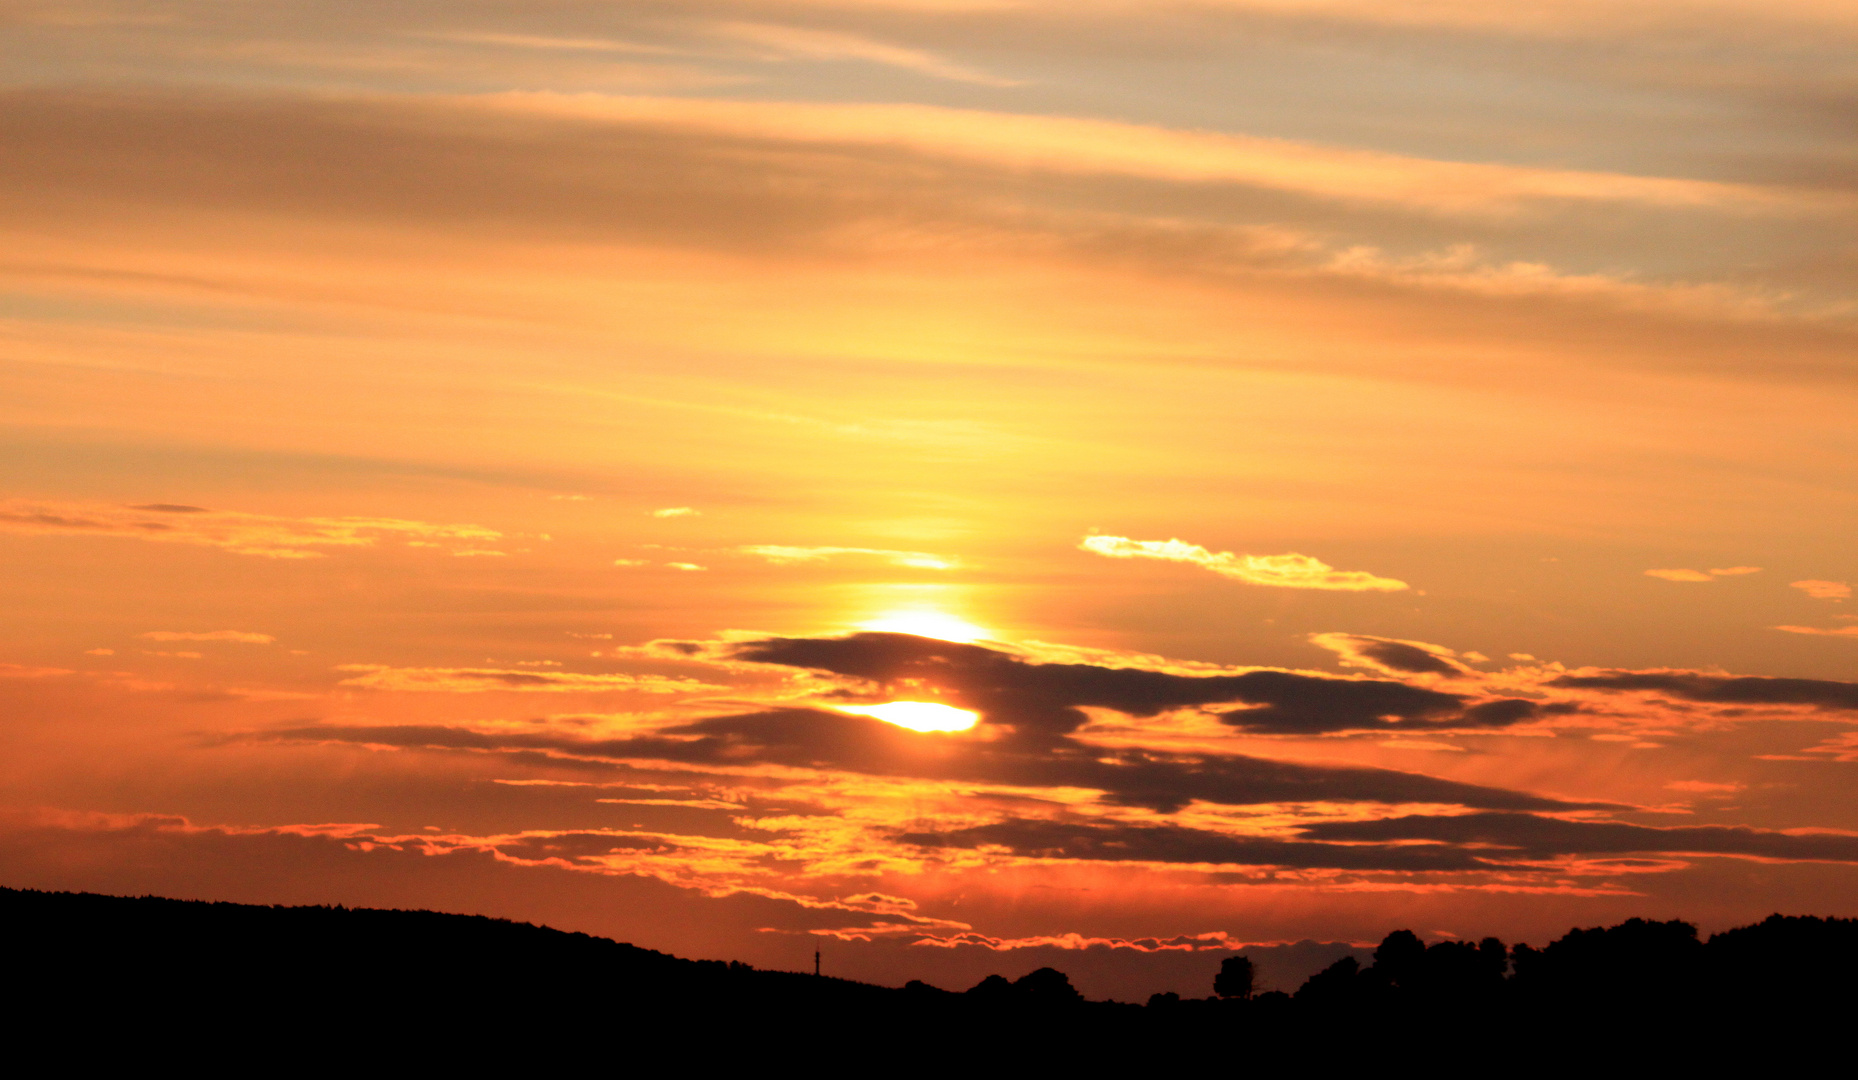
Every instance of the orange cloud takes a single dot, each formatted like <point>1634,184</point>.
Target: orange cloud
<point>239,533</point>
<point>1214,940</point>
<point>479,680</point>
<point>778,553</point>
<point>1291,571</point>
<point>240,636</point>
<point>1393,656</point>
<point>1824,590</point>
<point>1703,575</point>
<point>24,671</point>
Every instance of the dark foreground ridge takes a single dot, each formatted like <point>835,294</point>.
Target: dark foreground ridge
<point>153,973</point>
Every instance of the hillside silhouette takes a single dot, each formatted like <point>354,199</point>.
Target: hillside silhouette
<point>215,977</point>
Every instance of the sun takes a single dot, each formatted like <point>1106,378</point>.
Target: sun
<point>926,622</point>
<point>917,715</point>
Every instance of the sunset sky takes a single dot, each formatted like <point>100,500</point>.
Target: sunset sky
<point>1329,465</point>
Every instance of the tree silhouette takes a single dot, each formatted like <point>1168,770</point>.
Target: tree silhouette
<point>1337,984</point>
<point>1400,960</point>
<point>1047,986</point>
<point>1236,977</point>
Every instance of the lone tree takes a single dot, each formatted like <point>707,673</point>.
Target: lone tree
<point>1236,977</point>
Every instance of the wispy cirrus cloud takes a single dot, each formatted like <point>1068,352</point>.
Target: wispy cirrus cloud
<point>1560,19</point>
<point>1288,571</point>
<point>480,680</point>
<point>1075,145</point>
<point>800,43</point>
<point>527,184</point>
<point>263,535</point>
<point>28,671</point>
<point>735,40</point>
<point>556,44</point>
<point>780,553</point>
<point>239,636</point>
<point>1680,574</point>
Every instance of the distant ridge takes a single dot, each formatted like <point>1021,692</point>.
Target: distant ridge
<point>151,971</point>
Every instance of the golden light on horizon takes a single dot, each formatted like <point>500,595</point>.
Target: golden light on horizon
<point>917,715</point>
<point>928,623</point>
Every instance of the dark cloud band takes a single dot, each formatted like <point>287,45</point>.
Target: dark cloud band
<point>1723,690</point>
<point>1046,700</point>
<point>811,738</point>
<point>1532,836</point>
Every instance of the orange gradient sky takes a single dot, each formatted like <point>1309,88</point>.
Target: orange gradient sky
<point>1320,467</point>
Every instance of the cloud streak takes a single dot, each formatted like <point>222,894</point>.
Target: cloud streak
<point>1102,147</point>
<point>260,535</point>
<point>1823,590</point>
<point>1722,689</point>
<point>1393,656</point>
<point>792,42</point>
<point>1178,844</point>
<point>837,742</point>
<point>1703,575</point>
<point>240,636</point>
<point>1534,836</point>
<point>782,554</point>
<point>482,680</point>
<point>1290,571</point>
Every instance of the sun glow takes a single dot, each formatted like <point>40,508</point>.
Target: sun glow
<point>917,715</point>
<point>926,623</point>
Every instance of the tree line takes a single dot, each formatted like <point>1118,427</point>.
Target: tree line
<point>205,978</point>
